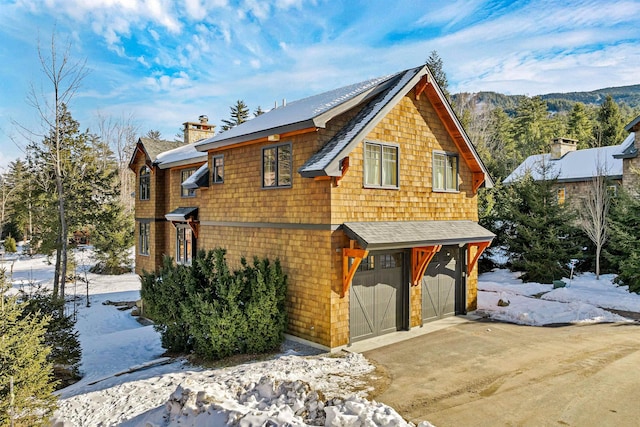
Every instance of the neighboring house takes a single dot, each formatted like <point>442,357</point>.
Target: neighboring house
<point>367,194</point>
<point>575,170</point>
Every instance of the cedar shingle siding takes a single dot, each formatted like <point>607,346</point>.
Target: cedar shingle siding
<point>301,225</point>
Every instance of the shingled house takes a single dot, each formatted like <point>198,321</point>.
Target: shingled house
<point>366,194</point>
<point>574,170</point>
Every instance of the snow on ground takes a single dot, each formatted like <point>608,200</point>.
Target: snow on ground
<point>291,389</point>
<point>584,299</point>
<point>127,381</point>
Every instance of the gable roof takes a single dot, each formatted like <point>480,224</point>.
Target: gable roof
<point>305,113</point>
<point>632,124</point>
<point>166,154</point>
<point>378,96</point>
<point>579,165</point>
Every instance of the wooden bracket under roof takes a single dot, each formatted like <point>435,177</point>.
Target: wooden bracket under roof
<point>481,246</point>
<point>349,271</point>
<point>421,86</point>
<point>420,259</point>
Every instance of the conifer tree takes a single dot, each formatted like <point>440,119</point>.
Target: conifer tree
<point>609,129</point>
<point>532,128</point>
<point>623,249</point>
<point>580,126</point>
<point>436,66</point>
<point>26,386</point>
<point>537,230</point>
<point>239,114</point>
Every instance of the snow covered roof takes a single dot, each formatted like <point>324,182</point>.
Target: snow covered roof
<point>313,111</point>
<point>181,156</point>
<point>326,161</point>
<point>198,179</point>
<point>579,165</point>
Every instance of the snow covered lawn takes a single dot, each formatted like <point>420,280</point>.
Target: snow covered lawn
<point>583,300</point>
<point>292,389</point>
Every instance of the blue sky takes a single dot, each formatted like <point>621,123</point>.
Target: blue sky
<point>164,62</point>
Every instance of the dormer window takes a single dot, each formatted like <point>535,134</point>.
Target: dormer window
<point>145,183</point>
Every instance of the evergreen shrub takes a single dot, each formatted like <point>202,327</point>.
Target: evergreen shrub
<point>10,245</point>
<point>213,312</point>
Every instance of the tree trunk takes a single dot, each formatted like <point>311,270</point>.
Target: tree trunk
<point>63,235</point>
<point>598,249</point>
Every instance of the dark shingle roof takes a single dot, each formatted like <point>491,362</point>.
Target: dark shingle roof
<point>385,235</point>
<point>155,147</point>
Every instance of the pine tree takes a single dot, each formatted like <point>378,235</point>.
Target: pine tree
<point>538,231</point>
<point>239,114</point>
<point>154,134</point>
<point>436,66</point>
<point>60,336</point>
<point>609,129</point>
<point>532,128</point>
<point>623,249</point>
<point>23,362</point>
<point>580,126</point>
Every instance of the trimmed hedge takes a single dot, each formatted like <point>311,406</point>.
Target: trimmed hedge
<point>212,312</point>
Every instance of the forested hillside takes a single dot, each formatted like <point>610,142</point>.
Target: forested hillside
<point>560,102</point>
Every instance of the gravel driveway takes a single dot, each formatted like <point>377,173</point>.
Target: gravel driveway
<point>483,373</point>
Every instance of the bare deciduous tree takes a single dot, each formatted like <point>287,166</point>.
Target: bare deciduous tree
<point>121,134</point>
<point>595,209</point>
<point>64,75</point>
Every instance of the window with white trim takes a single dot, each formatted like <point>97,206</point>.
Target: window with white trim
<point>445,171</point>
<point>276,166</point>
<point>380,165</point>
<point>144,231</point>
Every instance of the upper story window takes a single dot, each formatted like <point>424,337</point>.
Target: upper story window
<point>380,165</point>
<point>612,190</point>
<point>217,174</point>
<point>445,172</point>
<point>145,183</point>
<point>144,232</point>
<point>186,192</point>
<point>276,166</point>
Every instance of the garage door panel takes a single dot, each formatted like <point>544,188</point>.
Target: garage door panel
<point>375,306</point>
<point>361,313</point>
<point>386,308</point>
<point>439,284</point>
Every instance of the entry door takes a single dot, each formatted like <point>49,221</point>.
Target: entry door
<point>376,296</point>
<point>440,284</point>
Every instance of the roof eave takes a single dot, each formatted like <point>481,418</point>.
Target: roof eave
<point>196,161</point>
<point>488,181</point>
<point>265,133</point>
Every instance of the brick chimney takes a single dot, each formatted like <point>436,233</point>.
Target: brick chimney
<point>196,131</point>
<point>562,146</point>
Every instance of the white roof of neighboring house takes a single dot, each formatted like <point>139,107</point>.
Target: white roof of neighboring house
<point>181,156</point>
<point>579,165</point>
